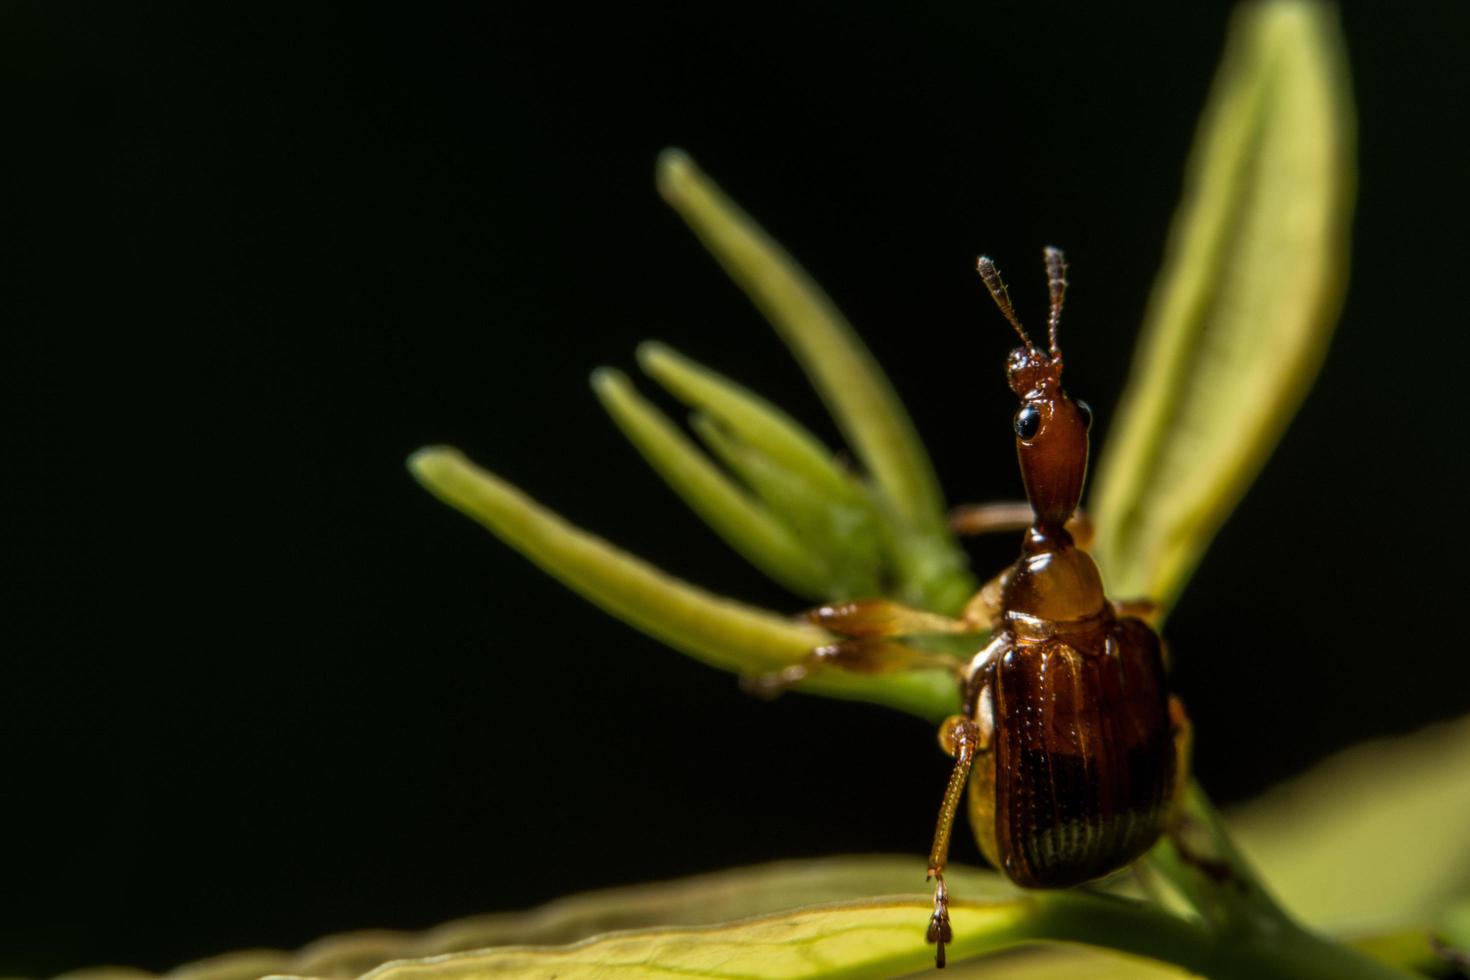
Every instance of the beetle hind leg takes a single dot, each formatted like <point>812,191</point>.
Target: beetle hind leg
<point>1182,730</point>
<point>1182,830</point>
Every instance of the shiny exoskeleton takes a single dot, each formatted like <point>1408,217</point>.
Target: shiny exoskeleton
<point>1069,741</point>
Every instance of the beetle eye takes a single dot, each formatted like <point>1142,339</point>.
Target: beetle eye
<point>1086,411</point>
<point>1028,422</point>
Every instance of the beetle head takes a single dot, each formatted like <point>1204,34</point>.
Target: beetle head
<point>1051,428</point>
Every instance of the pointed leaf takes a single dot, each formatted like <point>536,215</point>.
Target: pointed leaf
<point>845,536</point>
<point>716,630</point>
<point>1242,311</point>
<point>755,420</point>
<point>845,374</point>
<point>741,521</point>
<point>1376,837</point>
<point>852,385</point>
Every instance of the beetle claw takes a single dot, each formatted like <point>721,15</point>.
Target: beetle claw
<point>939,933</point>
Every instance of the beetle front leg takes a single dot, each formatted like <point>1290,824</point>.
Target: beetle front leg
<point>963,736</point>
<point>871,628</point>
<point>884,617</point>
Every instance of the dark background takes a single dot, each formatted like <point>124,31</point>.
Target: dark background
<point>258,686</point>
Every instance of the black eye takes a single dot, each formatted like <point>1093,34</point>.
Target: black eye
<point>1028,422</point>
<point>1086,411</point>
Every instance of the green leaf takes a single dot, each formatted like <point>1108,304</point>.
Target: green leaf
<point>844,373</point>
<point>716,630</point>
<point>846,535</point>
<point>849,380</point>
<point>870,939</point>
<point>1454,924</point>
<point>1374,838</point>
<point>1240,316</point>
<point>794,475</point>
<point>881,937</point>
<point>741,521</point>
<point>754,420</point>
<point>876,937</point>
<point>697,900</point>
<point>706,899</point>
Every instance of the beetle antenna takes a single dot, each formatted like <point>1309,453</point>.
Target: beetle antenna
<point>998,292</point>
<point>1056,285</point>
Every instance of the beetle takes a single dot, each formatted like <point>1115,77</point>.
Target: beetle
<point>1072,747</point>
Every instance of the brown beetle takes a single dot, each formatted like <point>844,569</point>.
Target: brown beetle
<point>1069,740</point>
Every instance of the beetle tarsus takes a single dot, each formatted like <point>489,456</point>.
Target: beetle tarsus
<point>940,933</point>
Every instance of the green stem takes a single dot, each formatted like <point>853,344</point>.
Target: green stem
<point>1200,860</point>
<point>1251,935</point>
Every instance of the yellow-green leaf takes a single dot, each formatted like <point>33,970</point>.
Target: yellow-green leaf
<point>705,899</point>
<point>930,568</point>
<point>871,939</point>
<point>854,387</point>
<point>719,631</point>
<point>877,937</point>
<point>755,420</point>
<point>1241,313</point>
<point>733,514</point>
<point>1376,837</point>
<point>845,534</point>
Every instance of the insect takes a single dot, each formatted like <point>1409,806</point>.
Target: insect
<point>1069,741</point>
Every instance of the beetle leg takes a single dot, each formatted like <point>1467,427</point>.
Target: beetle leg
<point>984,608</point>
<point>1144,609</point>
<point>870,626</point>
<point>884,617</point>
<point>963,736</point>
<point>862,655</point>
<point>1183,732</point>
<point>1183,832</point>
<point>968,520</point>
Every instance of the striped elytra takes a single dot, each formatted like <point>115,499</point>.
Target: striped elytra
<point>1083,755</point>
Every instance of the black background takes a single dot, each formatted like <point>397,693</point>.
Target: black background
<point>258,686</point>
